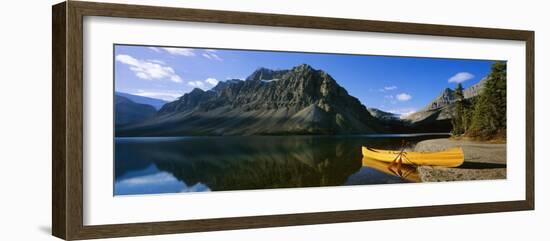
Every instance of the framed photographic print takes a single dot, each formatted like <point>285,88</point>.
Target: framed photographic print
<point>171,120</point>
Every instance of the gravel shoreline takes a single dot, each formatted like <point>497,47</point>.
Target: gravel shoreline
<point>482,161</point>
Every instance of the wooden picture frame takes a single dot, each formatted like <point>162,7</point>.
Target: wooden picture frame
<point>67,150</point>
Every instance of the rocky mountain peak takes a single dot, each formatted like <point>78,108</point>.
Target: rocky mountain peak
<point>475,90</point>
<point>312,81</point>
<point>187,101</point>
<point>196,91</point>
<point>303,68</point>
<point>306,70</point>
<point>445,98</point>
<point>224,84</point>
<point>298,100</point>
<point>301,85</point>
<point>439,111</point>
<point>266,74</point>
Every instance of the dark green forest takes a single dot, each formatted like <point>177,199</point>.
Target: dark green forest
<point>483,117</point>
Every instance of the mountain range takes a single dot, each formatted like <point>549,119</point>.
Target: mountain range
<point>300,100</point>
<point>156,103</point>
<point>128,111</point>
<point>437,115</point>
<point>382,115</point>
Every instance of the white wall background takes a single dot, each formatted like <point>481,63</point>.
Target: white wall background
<point>25,122</point>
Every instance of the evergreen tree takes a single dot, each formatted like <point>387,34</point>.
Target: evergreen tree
<point>468,113</point>
<point>459,111</point>
<point>489,115</point>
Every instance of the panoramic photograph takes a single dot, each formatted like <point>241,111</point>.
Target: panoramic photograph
<point>203,120</point>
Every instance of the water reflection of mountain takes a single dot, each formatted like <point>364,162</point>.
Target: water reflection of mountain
<point>238,163</point>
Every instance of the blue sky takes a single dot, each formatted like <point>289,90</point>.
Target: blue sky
<point>396,84</point>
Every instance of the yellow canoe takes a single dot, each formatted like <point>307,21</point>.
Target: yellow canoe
<point>452,157</point>
<point>406,172</point>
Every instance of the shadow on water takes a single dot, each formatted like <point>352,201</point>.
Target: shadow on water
<point>191,164</point>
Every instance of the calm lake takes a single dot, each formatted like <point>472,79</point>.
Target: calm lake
<point>151,165</point>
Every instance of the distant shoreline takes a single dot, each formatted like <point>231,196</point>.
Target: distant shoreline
<point>318,135</point>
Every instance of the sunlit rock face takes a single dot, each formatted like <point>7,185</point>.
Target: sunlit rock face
<point>301,100</point>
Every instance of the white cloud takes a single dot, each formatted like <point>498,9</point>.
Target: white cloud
<point>388,97</point>
<point>176,78</point>
<point>163,95</point>
<point>461,77</point>
<point>203,84</point>
<point>196,84</point>
<point>403,112</point>
<point>232,78</point>
<point>212,56</point>
<point>127,59</point>
<point>212,81</point>
<point>180,51</point>
<point>149,70</point>
<point>157,61</point>
<point>403,97</point>
<point>211,50</point>
<point>174,51</point>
